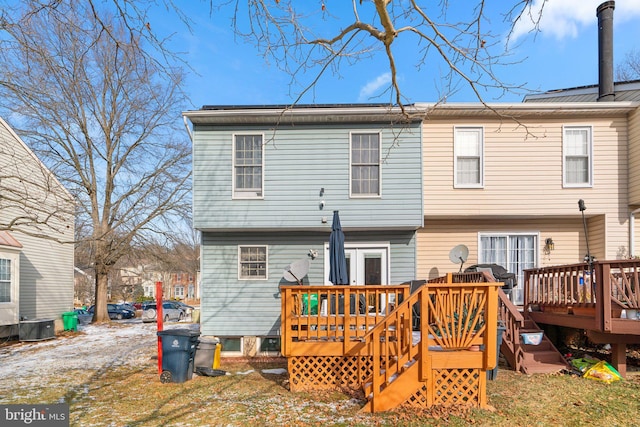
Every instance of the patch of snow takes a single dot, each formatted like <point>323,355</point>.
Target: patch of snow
<point>68,359</point>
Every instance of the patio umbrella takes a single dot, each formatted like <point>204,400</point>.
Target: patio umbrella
<point>337,259</point>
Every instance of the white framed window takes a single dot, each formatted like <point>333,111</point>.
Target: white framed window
<point>269,346</point>
<point>365,159</point>
<point>252,263</point>
<point>469,158</point>
<point>179,291</point>
<point>577,156</point>
<point>248,166</point>
<point>514,251</point>
<point>232,345</point>
<point>6,282</point>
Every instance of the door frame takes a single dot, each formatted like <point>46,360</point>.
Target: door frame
<point>360,249</point>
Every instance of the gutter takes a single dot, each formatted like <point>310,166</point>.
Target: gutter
<point>632,227</point>
<point>632,217</point>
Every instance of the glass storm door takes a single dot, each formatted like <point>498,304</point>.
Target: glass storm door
<point>515,252</point>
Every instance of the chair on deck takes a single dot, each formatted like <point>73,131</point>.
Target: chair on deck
<point>362,304</point>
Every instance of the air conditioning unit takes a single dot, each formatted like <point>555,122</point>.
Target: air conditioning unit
<point>37,330</point>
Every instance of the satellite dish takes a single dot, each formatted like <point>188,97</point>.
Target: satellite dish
<point>295,271</point>
<point>459,254</point>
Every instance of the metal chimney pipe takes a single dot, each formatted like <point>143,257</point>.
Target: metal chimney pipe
<point>605,51</point>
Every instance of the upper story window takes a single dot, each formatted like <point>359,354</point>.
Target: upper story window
<point>365,164</point>
<point>248,167</point>
<point>5,280</point>
<point>252,262</point>
<point>469,162</point>
<point>577,156</point>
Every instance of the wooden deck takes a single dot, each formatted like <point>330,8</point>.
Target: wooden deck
<point>592,298</point>
<point>429,347</point>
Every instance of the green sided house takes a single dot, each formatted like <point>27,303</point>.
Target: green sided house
<point>266,181</point>
<point>36,266</point>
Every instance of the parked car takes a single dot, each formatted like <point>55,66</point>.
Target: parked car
<point>169,313</point>
<point>116,312</point>
<point>84,317</point>
<point>186,309</point>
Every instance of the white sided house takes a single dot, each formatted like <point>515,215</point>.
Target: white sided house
<point>36,219</point>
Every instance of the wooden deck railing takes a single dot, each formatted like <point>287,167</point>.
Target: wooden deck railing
<point>453,318</point>
<point>599,292</point>
<point>337,317</point>
<point>405,348</point>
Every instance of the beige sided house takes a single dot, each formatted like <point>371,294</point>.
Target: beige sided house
<point>36,268</point>
<point>505,180</point>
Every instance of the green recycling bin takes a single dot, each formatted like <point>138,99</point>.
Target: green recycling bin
<point>70,321</point>
<point>178,354</point>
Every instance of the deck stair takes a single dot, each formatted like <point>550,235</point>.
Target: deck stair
<point>543,358</point>
<point>521,357</point>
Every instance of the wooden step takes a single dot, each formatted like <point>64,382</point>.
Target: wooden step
<point>543,346</point>
<point>542,356</point>
<point>543,368</point>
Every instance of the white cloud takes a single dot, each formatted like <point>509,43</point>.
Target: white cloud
<point>566,18</point>
<point>373,86</point>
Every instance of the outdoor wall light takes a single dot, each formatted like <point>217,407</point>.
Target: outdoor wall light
<point>549,245</point>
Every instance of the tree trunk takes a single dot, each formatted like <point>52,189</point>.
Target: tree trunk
<point>100,313</point>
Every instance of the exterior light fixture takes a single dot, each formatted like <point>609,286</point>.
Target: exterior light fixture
<point>549,245</point>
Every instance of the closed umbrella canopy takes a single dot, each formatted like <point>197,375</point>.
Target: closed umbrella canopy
<point>337,259</point>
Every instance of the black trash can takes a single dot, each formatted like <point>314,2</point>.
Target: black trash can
<point>492,374</point>
<point>178,353</point>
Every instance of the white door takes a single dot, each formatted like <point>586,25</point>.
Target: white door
<point>515,252</point>
<point>367,264</point>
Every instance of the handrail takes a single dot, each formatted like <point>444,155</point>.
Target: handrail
<point>453,316</point>
<point>335,313</point>
<point>615,285</point>
<point>513,321</point>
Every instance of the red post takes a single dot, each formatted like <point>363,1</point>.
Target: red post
<point>159,318</point>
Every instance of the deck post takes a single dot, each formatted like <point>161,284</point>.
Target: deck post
<point>619,358</point>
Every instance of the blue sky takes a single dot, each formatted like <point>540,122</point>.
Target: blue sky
<point>227,71</point>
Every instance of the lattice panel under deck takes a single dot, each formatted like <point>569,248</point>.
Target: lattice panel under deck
<point>457,387</point>
<point>326,372</point>
<point>419,399</point>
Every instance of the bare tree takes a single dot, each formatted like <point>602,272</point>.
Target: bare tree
<point>304,41</point>
<point>308,39</point>
<point>104,116</point>
<point>629,68</point>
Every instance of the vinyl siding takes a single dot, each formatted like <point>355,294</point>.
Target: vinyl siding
<point>523,169</point>
<point>523,178</point>
<point>46,265</point>
<point>232,307</point>
<point>438,237</point>
<point>300,161</point>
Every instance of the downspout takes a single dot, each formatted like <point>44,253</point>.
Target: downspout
<point>186,125</point>
<point>632,228</point>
